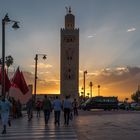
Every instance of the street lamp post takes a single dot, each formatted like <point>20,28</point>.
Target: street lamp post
<point>90,84</point>
<point>85,72</point>
<point>15,26</point>
<point>35,82</point>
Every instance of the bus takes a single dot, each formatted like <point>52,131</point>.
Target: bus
<point>100,102</point>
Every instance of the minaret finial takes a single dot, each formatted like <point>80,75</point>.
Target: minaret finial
<point>69,9</point>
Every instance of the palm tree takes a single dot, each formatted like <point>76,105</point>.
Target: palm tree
<point>9,61</point>
<point>99,90</point>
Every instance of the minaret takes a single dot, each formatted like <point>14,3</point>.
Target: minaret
<point>69,70</point>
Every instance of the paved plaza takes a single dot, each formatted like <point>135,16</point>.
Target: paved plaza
<point>21,129</point>
<point>108,125</point>
<point>89,125</point>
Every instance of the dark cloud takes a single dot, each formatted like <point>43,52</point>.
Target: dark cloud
<point>134,70</point>
<point>108,76</point>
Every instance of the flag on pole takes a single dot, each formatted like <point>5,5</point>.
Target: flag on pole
<point>18,81</point>
<point>7,81</point>
<point>24,87</point>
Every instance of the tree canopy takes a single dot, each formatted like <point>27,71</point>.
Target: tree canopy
<point>136,96</point>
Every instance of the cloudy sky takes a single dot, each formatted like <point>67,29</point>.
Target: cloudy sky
<point>109,42</point>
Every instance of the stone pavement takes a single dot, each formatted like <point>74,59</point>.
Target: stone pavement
<point>108,125</point>
<point>98,125</point>
<point>21,129</point>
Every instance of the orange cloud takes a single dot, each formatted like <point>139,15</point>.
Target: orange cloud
<point>42,65</point>
<point>44,85</point>
<point>119,81</point>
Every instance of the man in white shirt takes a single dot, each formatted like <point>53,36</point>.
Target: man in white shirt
<point>67,106</point>
<point>57,105</point>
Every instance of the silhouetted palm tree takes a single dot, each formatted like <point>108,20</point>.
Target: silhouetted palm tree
<point>99,90</point>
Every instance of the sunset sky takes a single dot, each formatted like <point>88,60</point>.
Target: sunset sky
<point>109,42</point>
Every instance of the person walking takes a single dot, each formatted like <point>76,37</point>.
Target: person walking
<point>67,106</point>
<point>19,109</point>
<point>47,107</point>
<point>29,106</point>
<point>14,108</point>
<point>75,107</point>
<point>5,106</point>
<point>38,107</point>
<point>57,106</point>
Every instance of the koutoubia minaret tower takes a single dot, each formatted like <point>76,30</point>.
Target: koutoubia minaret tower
<point>69,69</point>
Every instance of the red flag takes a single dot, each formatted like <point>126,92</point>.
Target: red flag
<point>19,81</point>
<point>24,87</point>
<point>16,79</point>
<point>7,81</point>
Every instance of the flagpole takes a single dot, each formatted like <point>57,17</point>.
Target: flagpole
<point>36,58</point>
<point>3,57</point>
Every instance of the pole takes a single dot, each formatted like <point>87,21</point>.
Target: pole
<point>36,58</point>
<point>90,84</point>
<point>84,86</point>
<point>85,72</point>
<point>3,58</point>
<point>15,26</point>
<point>35,82</point>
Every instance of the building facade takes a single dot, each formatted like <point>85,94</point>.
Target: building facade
<point>69,69</point>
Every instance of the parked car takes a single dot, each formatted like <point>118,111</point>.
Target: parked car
<point>135,106</point>
<point>121,105</point>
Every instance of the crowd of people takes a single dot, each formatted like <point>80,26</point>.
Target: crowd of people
<point>67,106</point>
<point>12,109</point>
